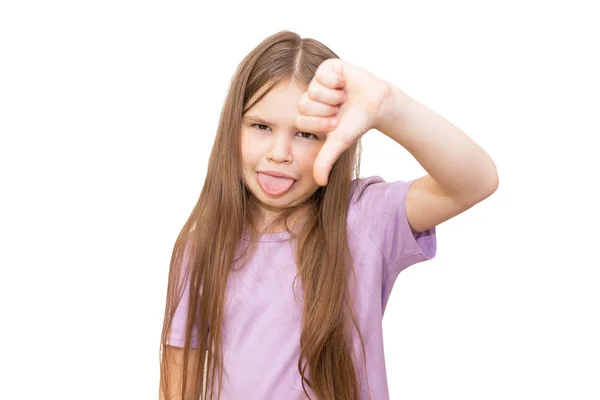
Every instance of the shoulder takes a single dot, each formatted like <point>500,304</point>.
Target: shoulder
<point>359,185</point>
<point>378,210</point>
<point>374,189</point>
<point>373,203</point>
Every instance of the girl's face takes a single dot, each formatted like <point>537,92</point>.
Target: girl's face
<point>270,142</point>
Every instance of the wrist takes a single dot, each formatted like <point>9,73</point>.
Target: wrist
<point>391,112</point>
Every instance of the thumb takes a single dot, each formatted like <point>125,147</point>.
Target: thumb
<point>332,149</point>
<point>326,158</point>
<point>349,130</point>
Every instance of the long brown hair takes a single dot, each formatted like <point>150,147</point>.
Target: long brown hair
<point>224,212</point>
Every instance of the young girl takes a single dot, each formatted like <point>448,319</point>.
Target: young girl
<point>286,263</point>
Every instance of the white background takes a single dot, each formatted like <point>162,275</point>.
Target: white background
<point>108,111</point>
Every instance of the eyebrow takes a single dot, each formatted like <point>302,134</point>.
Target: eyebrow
<point>257,119</point>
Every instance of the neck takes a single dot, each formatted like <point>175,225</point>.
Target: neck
<point>265,218</point>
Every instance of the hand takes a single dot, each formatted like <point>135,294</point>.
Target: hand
<point>344,101</point>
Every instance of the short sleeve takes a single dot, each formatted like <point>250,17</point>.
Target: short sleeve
<point>176,336</point>
<point>381,207</point>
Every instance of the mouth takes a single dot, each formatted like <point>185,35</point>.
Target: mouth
<point>274,184</point>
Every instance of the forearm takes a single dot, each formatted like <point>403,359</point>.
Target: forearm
<point>454,161</point>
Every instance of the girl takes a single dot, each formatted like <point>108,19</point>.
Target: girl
<point>286,263</point>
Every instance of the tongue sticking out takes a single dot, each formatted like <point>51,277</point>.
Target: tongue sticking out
<point>274,185</point>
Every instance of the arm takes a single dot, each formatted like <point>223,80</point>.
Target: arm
<point>174,359</point>
<point>459,172</point>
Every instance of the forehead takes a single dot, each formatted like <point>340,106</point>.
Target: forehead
<point>279,105</point>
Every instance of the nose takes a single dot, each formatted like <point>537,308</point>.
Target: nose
<point>280,149</point>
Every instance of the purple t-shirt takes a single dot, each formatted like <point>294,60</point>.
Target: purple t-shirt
<point>261,327</point>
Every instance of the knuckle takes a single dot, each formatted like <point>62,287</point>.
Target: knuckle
<point>303,104</point>
<point>313,92</point>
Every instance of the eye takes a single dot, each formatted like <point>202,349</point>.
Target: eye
<point>309,135</point>
<point>306,135</point>
<point>260,126</point>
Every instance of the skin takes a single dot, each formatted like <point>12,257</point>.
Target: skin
<point>460,173</point>
<point>342,103</point>
<point>271,141</point>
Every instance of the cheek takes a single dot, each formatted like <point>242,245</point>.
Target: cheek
<point>247,148</point>
<point>307,164</point>
<point>253,145</point>
<point>307,157</point>
<point>244,143</point>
